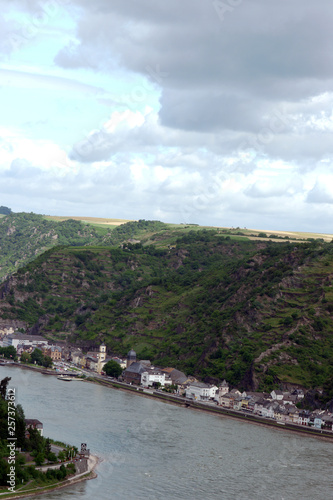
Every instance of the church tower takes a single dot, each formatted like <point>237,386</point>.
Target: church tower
<point>101,355</point>
<point>131,358</point>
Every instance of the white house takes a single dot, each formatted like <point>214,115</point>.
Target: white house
<point>201,391</point>
<point>303,417</point>
<point>278,395</point>
<point>152,377</point>
<point>268,410</point>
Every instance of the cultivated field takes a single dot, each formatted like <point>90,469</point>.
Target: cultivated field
<point>90,220</point>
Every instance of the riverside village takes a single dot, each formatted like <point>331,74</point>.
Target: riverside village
<point>70,363</point>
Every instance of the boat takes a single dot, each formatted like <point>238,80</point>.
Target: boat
<point>65,378</point>
<point>68,378</point>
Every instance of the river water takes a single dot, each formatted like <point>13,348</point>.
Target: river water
<point>155,451</point>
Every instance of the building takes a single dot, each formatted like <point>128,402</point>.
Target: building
<point>121,362</point>
<point>276,394</point>
<point>131,358</point>
<point>222,390</point>
<point>101,357</point>
<point>177,378</point>
<point>92,362</point>
<point>201,391</point>
<point>53,351</point>
<point>132,374</point>
<point>153,377</point>
<point>26,340</point>
<point>33,423</point>
<point>78,358</point>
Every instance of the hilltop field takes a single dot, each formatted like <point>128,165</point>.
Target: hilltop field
<point>250,233</point>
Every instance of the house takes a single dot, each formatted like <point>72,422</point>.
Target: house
<point>92,362</point>
<point>34,424</point>
<point>281,414</point>
<point>318,422</point>
<point>327,419</point>
<point>299,393</point>
<point>200,391</point>
<point>54,352</point>
<point>268,409</point>
<point>237,403</point>
<point>290,398</point>
<point>227,400</point>
<point>258,406</point>
<point>293,414</point>
<point>78,358</point>
<point>303,417</point>
<point>177,378</point>
<point>277,395</point>
<point>152,377</point>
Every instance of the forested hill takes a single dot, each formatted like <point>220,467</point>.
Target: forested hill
<point>23,236</point>
<point>257,313</point>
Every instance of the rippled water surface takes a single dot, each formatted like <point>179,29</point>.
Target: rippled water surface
<point>155,451</point>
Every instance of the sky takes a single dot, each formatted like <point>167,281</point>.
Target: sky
<point>215,112</point>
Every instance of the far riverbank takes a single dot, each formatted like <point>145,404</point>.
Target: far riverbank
<point>195,405</point>
<point>212,408</point>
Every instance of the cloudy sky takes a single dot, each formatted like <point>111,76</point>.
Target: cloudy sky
<point>217,112</point>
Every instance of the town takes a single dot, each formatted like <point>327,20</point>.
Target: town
<point>281,406</point>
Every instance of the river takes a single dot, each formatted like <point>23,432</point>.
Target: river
<point>155,451</point>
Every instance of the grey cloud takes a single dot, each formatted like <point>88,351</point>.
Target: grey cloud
<point>262,51</point>
<point>209,111</point>
<point>319,194</point>
<point>21,168</point>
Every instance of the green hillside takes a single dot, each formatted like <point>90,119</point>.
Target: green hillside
<point>257,313</point>
<point>23,236</point>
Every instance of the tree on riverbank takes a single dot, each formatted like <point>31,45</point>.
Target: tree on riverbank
<point>112,368</point>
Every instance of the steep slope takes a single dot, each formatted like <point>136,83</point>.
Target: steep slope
<point>257,313</point>
<point>23,236</point>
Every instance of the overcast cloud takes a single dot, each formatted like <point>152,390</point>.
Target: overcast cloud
<point>210,111</point>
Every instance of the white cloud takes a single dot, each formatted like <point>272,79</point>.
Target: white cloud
<point>166,110</point>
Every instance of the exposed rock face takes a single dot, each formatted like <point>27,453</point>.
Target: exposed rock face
<point>10,325</point>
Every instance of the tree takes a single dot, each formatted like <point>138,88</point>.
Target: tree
<point>48,446</point>
<point>52,457</point>
<point>9,352</point>
<point>3,387</point>
<point>20,426</point>
<point>47,362</point>
<point>5,210</point>
<point>112,368</point>
<point>25,357</point>
<point>37,356</point>
<point>40,458</point>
